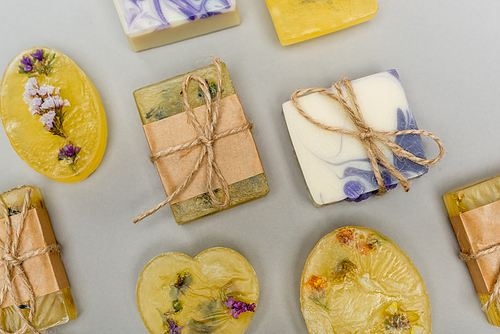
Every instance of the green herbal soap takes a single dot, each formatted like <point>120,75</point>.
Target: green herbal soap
<point>164,121</point>
<point>53,308</point>
<point>474,212</point>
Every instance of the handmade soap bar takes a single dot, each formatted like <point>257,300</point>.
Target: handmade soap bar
<point>216,292</point>
<point>153,23</point>
<point>166,125</point>
<point>53,300</point>
<point>474,213</point>
<point>358,281</point>
<point>299,20</point>
<point>335,166</point>
<point>53,115</point>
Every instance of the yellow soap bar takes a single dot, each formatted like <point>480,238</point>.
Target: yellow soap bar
<point>462,201</point>
<point>298,20</point>
<point>215,292</point>
<point>53,115</point>
<point>358,281</point>
<point>51,309</point>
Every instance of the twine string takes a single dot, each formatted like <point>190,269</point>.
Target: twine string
<point>495,294</point>
<point>367,135</point>
<point>205,137</point>
<point>11,262</point>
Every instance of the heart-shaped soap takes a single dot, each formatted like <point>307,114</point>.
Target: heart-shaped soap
<point>215,292</point>
<point>358,281</point>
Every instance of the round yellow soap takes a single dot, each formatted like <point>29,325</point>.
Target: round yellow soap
<point>358,281</point>
<point>35,134</point>
<point>215,292</point>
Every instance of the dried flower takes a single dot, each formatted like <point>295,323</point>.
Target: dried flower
<point>238,307</point>
<point>38,54</point>
<point>69,152</point>
<point>47,120</point>
<point>39,63</point>
<point>367,246</point>
<point>345,236</point>
<point>344,270</point>
<point>28,65</point>
<point>173,327</point>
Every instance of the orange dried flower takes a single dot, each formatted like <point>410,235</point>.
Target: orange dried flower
<point>316,283</point>
<point>345,236</point>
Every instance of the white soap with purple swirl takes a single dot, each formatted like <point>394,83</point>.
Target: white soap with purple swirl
<point>335,166</point>
<point>151,23</point>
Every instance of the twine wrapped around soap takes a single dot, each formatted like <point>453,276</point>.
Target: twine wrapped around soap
<point>12,261</point>
<point>367,135</point>
<point>495,294</point>
<point>205,138</point>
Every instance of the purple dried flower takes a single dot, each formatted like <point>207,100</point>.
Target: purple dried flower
<point>237,307</point>
<point>173,327</point>
<point>38,55</point>
<point>28,65</point>
<point>68,152</point>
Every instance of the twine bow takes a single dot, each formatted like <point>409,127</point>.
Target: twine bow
<point>205,138</point>
<point>367,135</point>
<point>495,294</point>
<point>11,262</point>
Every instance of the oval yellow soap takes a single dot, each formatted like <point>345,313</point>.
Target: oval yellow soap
<point>358,281</point>
<point>215,292</point>
<point>53,115</point>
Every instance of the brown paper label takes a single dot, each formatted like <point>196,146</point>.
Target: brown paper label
<point>45,272</point>
<point>477,230</point>
<point>236,155</point>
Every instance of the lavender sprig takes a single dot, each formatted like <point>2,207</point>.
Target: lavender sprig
<point>37,63</point>
<point>46,102</point>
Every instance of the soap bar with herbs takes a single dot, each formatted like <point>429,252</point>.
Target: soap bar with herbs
<point>53,115</point>
<point>358,281</point>
<point>215,292</point>
<point>335,166</point>
<point>165,124</point>
<point>152,23</point>
<point>299,20</point>
<point>474,212</point>
<point>53,298</point>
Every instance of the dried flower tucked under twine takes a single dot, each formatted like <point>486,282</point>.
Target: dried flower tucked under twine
<point>45,101</point>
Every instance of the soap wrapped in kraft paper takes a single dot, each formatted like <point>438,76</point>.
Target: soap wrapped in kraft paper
<point>356,139</point>
<point>201,143</point>
<point>34,292</point>
<point>475,215</point>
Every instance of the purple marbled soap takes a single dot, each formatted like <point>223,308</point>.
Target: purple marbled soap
<point>144,19</point>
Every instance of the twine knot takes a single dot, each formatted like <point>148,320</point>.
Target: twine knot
<point>205,137</point>
<point>11,260</point>
<point>12,263</point>
<point>366,134</point>
<point>495,293</point>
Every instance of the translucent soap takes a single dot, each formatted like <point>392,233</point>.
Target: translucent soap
<point>152,23</point>
<point>215,292</point>
<point>160,107</point>
<point>336,166</point>
<point>53,115</point>
<point>356,280</point>
<point>52,309</point>
<point>299,20</point>
<point>476,234</point>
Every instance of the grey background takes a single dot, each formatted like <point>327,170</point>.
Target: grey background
<point>447,53</point>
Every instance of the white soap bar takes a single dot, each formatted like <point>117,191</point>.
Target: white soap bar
<point>151,23</point>
<point>335,167</point>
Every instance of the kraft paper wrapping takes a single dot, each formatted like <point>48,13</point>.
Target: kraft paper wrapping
<point>45,272</point>
<point>477,230</point>
<point>236,155</point>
